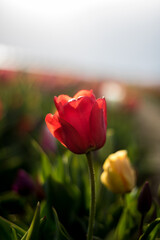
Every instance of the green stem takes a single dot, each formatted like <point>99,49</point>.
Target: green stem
<point>93,198</point>
<point>141,225</point>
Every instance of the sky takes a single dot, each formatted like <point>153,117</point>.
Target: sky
<point>116,38</point>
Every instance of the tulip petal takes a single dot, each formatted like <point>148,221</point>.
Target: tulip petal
<point>120,163</point>
<point>72,138</point>
<point>127,174</point>
<point>97,125</point>
<point>113,181</point>
<point>65,133</point>
<point>55,127</point>
<point>61,100</point>
<point>82,93</point>
<point>77,114</point>
<point>102,104</point>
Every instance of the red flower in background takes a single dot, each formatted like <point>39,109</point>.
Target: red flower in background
<point>80,122</point>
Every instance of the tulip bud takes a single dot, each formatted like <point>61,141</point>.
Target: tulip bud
<point>118,175</point>
<point>145,199</point>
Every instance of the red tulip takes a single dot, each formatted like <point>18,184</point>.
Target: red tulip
<point>80,122</point>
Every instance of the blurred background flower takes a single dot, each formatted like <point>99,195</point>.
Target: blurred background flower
<point>118,175</point>
<point>23,184</point>
<point>48,142</point>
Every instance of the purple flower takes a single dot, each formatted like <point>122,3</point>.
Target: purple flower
<point>23,183</point>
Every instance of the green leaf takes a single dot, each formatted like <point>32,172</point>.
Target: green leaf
<point>24,237</point>
<point>149,229</point>
<point>61,231</point>
<point>9,225</point>
<point>32,233</point>
<point>127,225</point>
<point>78,171</point>
<point>14,235</point>
<point>45,166</point>
<point>43,222</point>
<point>50,226</point>
<point>63,197</point>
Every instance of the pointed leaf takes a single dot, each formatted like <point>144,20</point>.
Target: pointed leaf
<point>60,228</point>
<point>9,224</point>
<point>45,167</point>
<point>149,229</point>
<point>33,231</point>
<point>63,197</point>
<point>14,235</point>
<point>24,237</point>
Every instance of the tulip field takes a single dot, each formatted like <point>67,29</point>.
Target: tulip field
<point>76,165</point>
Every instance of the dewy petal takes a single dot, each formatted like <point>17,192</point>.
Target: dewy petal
<point>97,126</point>
<point>77,114</point>
<point>82,93</point>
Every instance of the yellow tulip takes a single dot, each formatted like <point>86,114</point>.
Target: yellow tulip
<point>118,175</point>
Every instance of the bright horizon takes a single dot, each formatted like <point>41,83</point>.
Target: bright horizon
<point>116,38</point>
